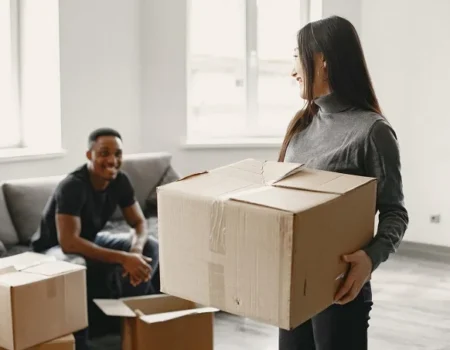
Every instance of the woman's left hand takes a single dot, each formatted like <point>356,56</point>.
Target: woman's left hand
<point>359,274</point>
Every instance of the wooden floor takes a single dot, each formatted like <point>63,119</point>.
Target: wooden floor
<point>411,311</point>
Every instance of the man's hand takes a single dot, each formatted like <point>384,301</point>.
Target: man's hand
<point>137,267</point>
<point>359,274</point>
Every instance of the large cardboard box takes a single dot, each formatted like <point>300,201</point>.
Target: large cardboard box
<point>64,343</point>
<point>162,322</point>
<point>41,299</point>
<point>262,240</point>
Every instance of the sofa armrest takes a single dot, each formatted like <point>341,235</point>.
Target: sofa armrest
<point>151,203</point>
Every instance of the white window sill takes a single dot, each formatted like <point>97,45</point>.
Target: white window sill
<point>253,142</point>
<point>11,155</point>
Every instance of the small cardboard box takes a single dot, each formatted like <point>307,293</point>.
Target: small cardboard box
<point>162,322</point>
<point>41,299</point>
<point>63,343</point>
<point>262,240</point>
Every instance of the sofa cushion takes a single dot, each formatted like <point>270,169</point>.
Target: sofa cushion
<point>26,200</point>
<point>151,202</point>
<point>8,234</point>
<point>145,171</point>
<point>18,249</point>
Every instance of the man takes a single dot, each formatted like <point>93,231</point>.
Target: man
<point>79,209</point>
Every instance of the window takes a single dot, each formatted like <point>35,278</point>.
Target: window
<point>30,120</point>
<point>10,134</point>
<point>239,66</point>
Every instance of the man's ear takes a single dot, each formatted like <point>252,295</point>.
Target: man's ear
<point>89,154</point>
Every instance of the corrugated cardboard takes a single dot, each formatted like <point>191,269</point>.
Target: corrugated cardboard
<point>162,322</point>
<point>262,240</point>
<point>41,299</point>
<point>64,343</point>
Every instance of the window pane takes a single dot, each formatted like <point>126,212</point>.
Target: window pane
<point>278,92</point>
<point>9,120</point>
<point>216,91</point>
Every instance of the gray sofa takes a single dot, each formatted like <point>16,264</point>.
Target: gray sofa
<point>22,201</point>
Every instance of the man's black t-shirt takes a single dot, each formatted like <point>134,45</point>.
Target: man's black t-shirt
<point>76,196</point>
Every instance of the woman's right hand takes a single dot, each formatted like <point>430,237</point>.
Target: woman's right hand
<point>137,267</point>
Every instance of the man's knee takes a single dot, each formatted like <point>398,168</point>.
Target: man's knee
<point>151,249</point>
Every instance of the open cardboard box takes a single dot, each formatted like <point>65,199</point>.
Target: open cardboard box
<point>41,299</point>
<point>162,322</point>
<point>262,239</point>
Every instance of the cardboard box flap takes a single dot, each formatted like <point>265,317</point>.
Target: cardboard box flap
<point>285,199</point>
<point>167,316</point>
<point>25,260</point>
<point>323,181</point>
<point>114,307</point>
<point>7,269</point>
<point>16,279</point>
<point>53,268</point>
<point>157,303</point>
<point>258,172</point>
<point>212,185</point>
<point>188,177</point>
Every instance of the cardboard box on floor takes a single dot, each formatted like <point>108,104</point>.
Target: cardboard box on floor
<point>162,322</point>
<point>262,240</point>
<point>41,299</point>
<point>63,343</point>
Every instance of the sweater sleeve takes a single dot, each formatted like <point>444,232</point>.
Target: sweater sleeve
<point>382,161</point>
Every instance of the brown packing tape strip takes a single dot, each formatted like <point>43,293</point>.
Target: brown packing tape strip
<point>216,285</point>
<point>52,287</point>
<point>217,228</point>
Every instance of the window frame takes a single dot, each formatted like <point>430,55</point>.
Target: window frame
<point>25,18</point>
<point>14,51</point>
<point>252,134</point>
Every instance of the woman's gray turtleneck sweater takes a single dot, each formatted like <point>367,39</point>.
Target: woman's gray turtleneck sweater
<point>348,140</point>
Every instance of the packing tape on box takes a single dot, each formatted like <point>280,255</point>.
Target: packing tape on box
<point>216,284</point>
<point>52,288</point>
<point>218,228</point>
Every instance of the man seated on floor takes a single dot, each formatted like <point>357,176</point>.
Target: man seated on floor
<point>78,210</point>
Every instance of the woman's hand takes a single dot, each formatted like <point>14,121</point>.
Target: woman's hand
<point>359,274</point>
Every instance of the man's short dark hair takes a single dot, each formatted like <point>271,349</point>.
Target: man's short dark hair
<point>94,135</point>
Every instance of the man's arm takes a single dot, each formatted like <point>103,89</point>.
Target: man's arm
<point>133,214</point>
<point>135,218</point>
<point>69,228</point>
<point>70,199</point>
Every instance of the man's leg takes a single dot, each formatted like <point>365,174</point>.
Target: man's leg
<point>121,285</point>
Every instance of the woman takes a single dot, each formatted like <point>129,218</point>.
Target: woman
<point>341,129</point>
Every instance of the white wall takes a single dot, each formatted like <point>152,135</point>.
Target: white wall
<point>408,53</point>
<point>164,86</point>
<point>164,91</point>
<point>349,9</point>
<point>111,51</point>
<point>100,80</point>
<point>122,65</point>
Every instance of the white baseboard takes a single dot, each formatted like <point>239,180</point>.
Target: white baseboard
<point>424,251</point>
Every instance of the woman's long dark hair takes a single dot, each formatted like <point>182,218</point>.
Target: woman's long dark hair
<point>336,38</point>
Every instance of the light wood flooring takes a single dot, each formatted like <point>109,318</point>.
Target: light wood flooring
<point>411,311</point>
